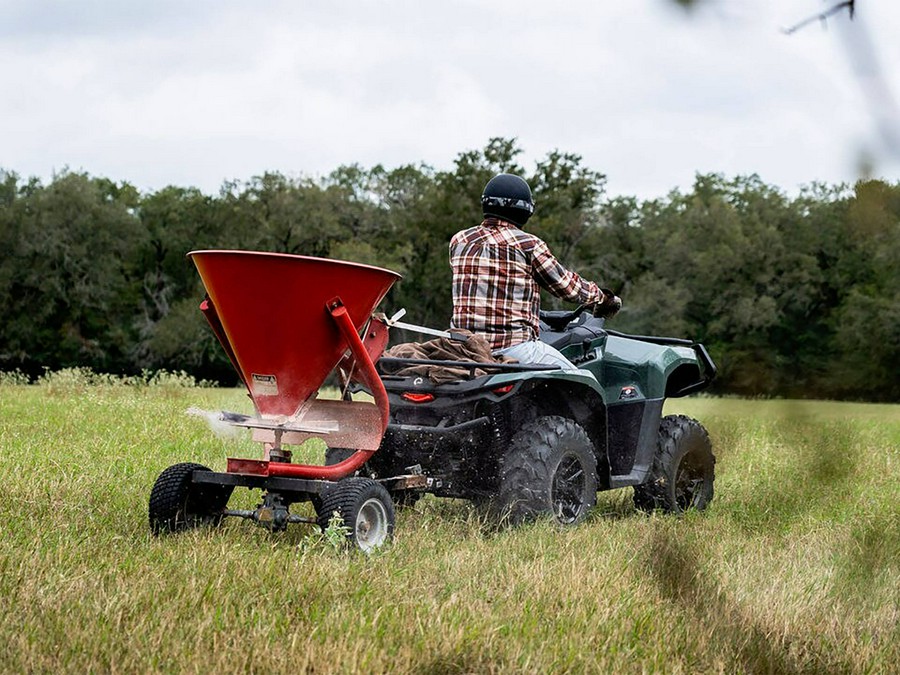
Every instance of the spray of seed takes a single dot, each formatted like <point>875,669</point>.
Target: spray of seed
<point>219,427</point>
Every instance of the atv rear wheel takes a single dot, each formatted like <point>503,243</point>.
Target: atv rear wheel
<point>365,508</point>
<point>178,504</point>
<point>549,469</point>
<point>683,469</point>
<point>337,455</point>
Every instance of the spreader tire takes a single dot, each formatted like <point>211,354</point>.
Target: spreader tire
<point>683,469</point>
<point>365,508</point>
<point>177,503</point>
<point>402,498</point>
<point>549,469</point>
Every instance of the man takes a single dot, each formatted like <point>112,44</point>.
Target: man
<point>498,271</point>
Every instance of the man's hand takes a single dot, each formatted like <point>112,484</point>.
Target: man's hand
<point>608,306</point>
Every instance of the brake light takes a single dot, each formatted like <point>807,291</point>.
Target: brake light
<point>413,397</point>
<point>505,389</point>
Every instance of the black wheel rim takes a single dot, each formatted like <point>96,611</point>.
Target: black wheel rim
<point>567,490</point>
<point>197,510</point>
<point>689,480</point>
<point>187,515</point>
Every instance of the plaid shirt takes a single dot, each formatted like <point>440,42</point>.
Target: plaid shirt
<point>497,272</point>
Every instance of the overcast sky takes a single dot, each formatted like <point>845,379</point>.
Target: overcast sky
<point>194,93</point>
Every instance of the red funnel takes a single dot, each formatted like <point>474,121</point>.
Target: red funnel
<point>273,320</point>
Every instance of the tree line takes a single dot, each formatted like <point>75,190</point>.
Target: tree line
<point>794,296</point>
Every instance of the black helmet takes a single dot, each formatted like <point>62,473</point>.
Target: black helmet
<point>508,197</point>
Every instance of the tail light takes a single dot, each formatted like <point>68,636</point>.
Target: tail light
<point>414,397</point>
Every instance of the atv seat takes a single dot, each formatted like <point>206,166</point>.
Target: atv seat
<point>586,327</point>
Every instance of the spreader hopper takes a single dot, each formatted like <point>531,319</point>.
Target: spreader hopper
<point>286,322</point>
<point>273,315</point>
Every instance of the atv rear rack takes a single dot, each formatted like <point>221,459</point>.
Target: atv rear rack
<point>471,366</point>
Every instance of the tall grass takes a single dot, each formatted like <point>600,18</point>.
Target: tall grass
<point>794,568</point>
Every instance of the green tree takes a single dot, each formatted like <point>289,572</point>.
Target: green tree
<point>867,319</point>
<point>70,284</point>
<point>451,203</point>
<point>171,334</point>
<point>569,215</point>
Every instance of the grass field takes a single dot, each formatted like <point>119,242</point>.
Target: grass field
<point>794,568</point>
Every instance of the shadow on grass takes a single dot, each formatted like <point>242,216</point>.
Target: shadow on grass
<point>822,480</point>
<point>465,658</point>
<point>756,647</point>
<point>871,559</point>
<point>817,463</point>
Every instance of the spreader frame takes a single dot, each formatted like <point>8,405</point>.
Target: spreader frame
<point>267,310</point>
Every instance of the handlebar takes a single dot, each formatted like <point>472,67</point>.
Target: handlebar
<point>559,319</point>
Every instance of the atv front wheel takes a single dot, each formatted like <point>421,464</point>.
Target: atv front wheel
<point>177,503</point>
<point>550,468</point>
<point>365,508</point>
<point>683,469</point>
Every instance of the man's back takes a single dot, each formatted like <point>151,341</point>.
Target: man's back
<point>494,291</point>
<point>498,271</point>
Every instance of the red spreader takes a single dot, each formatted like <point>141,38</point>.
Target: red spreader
<point>286,321</point>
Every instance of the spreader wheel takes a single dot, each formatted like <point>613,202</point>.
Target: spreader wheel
<point>683,470</point>
<point>402,498</point>
<point>366,509</point>
<point>177,503</point>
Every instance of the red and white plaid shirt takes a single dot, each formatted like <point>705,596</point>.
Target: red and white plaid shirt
<point>497,272</point>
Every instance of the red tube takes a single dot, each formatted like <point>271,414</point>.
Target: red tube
<point>369,376</point>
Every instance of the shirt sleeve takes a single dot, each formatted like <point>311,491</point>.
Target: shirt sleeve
<point>561,282</point>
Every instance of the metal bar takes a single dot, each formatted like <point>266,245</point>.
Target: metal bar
<point>273,483</point>
<point>458,337</point>
<point>239,513</point>
<point>407,482</point>
<point>477,423</point>
<point>707,361</point>
<point>249,422</point>
<point>301,519</point>
<point>253,515</point>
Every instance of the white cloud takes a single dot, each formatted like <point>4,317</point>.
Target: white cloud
<point>197,93</point>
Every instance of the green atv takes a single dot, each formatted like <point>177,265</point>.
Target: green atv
<point>529,440</point>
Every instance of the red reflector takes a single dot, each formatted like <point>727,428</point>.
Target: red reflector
<point>256,467</point>
<point>505,389</point>
<point>417,398</point>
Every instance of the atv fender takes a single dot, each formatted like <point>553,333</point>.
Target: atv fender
<point>575,395</point>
